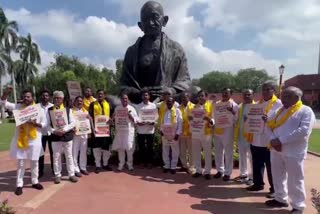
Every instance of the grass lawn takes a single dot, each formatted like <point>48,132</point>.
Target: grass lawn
<point>6,134</point>
<point>7,131</point>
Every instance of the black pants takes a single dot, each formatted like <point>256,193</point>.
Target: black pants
<point>45,140</point>
<point>145,143</point>
<point>260,161</point>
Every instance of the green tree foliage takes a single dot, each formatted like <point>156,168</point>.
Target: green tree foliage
<point>215,81</point>
<point>68,68</point>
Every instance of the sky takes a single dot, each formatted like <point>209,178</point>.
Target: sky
<point>223,35</point>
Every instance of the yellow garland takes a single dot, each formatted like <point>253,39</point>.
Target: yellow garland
<point>273,124</point>
<point>173,116</point>
<point>61,107</point>
<point>209,109</point>
<point>26,132</point>
<point>186,123</point>
<point>248,136</point>
<point>97,110</point>
<point>87,102</point>
<point>273,100</point>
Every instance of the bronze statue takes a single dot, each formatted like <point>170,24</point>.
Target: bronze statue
<point>154,62</point>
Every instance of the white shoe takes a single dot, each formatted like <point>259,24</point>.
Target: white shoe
<point>130,168</point>
<point>120,168</point>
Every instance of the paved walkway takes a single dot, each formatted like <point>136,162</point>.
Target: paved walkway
<point>142,191</point>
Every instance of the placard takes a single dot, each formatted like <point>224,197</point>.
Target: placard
<point>197,124</point>
<point>122,119</point>
<point>31,112</point>
<point>223,118</point>
<point>169,131</point>
<point>148,115</point>
<point>102,129</point>
<point>59,118</point>
<point>74,89</point>
<point>254,122</point>
<point>83,126</point>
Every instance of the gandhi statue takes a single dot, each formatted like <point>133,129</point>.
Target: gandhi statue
<point>154,62</point>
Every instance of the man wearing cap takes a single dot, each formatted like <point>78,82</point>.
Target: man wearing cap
<point>61,125</point>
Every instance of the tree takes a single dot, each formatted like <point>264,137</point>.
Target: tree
<point>25,68</point>
<point>215,81</point>
<point>8,40</point>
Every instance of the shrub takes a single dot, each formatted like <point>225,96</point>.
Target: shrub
<point>5,208</point>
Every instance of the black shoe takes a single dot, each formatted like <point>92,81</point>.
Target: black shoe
<point>84,172</point>
<point>296,211</point>
<point>270,195</point>
<point>226,178</point>
<point>37,186</point>
<point>196,175</point>
<point>276,204</point>
<point>97,170</point>
<point>165,170</point>
<point>218,175</point>
<point>18,191</point>
<point>249,182</point>
<point>254,188</point>
<point>207,176</point>
<point>172,171</point>
<point>78,174</point>
<point>107,168</point>
<point>184,169</point>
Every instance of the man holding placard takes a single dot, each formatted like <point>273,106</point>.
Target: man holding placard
<point>171,129</point>
<point>148,117</point>
<point>225,118</point>
<point>259,150</point>
<point>185,139</point>
<point>61,125</point>
<point>201,126</point>
<point>125,118</point>
<point>243,137</point>
<point>80,140</point>
<point>26,144</point>
<point>100,113</point>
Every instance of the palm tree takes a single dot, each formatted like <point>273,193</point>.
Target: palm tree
<point>8,40</point>
<point>25,68</point>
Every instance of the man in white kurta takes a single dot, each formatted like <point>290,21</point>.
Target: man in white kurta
<point>171,118</point>
<point>61,137</point>
<point>204,140</point>
<point>223,140</point>
<point>289,131</point>
<point>259,150</point>
<point>125,129</point>
<point>33,150</point>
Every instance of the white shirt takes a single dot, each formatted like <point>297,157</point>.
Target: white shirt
<point>146,129</point>
<point>167,120</point>
<point>45,131</point>
<point>262,140</point>
<point>35,146</point>
<point>294,133</point>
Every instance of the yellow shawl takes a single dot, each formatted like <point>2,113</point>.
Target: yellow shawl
<point>173,116</point>
<point>186,123</point>
<point>26,132</point>
<point>274,99</point>
<point>97,110</point>
<point>87,102</point>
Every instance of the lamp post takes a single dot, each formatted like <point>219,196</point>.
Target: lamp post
<point>281,71</point>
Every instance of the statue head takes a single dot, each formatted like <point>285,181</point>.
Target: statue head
<point>152,18</point>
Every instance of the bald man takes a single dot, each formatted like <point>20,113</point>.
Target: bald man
<point>289,130</point>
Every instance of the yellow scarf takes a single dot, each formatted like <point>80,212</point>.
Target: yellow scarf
<point>26,132</point>
<point>97,110</point>
<point>275,123</point>
<point>87,102</point>
<point>61,107</point>
<point>186,123</point>
<point>209,109</point>
<point>173,116</point>
<point>220,131</point>
<point>247,136</point>
<point>273,100</point>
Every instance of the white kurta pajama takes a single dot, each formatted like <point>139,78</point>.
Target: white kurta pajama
<point>60,147</point>
<point>80,145</point>
<point>173,144</point>
<point>32,153</point>
<point>287,165</point>
<point>124,139</point>
<point>203,143</point>
<point>223,146</point>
